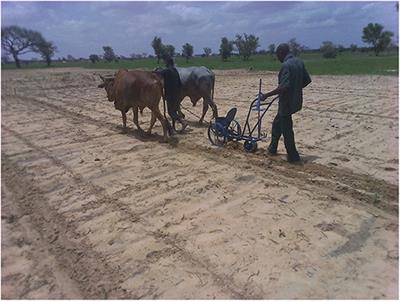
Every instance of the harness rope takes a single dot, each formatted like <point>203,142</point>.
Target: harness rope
<point>194,114</point>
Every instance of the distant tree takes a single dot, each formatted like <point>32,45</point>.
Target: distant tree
<point>70,58</point>
<point>187,51</point>
<point>340,48</point>
<point>16,41</point>
<point>168,50</point>
<point>46,50</point>
<point>328,49</point>
<point>158,48</point>
<point>271,49</point>
<point>226,48</point>
<point>373,34</point>
<point>353,47</point>
<point>295,47</point>
<point>207,51</point>
<point>246,45</point>
<point>94,58</point>
<point>109,55</point>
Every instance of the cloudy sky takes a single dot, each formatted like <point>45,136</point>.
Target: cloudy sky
<point>82,28</point>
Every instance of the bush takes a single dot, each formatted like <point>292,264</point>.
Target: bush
<point>328,50</point>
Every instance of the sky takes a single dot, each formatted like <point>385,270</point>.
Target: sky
<point>83,28</point>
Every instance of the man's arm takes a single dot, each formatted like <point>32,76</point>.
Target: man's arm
<point>276,91</point>
<point>284,83</point>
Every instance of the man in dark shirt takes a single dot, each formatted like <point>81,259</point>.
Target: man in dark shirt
<point>293,77</point>
<point>172,88</point>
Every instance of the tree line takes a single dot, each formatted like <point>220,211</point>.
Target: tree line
<point>16,41</point>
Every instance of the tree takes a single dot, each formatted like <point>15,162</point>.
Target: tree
<point>158,48</point>
<point>16,41</point>
<point>226,48</point>
<point>373,34</point>
<point>271,49</point>
<point>328,49</point>
<point>94,58</point>
<point>109,55</point>
<point>340,48</point>
<point>353,47</point>
<point>46,50</point>
<point>246,45</point>
<point>295,48</point>
<point>187,51</point>
<point>168,50</point>
<point>207,51</point>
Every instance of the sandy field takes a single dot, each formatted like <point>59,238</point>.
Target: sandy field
<point>89,211</point>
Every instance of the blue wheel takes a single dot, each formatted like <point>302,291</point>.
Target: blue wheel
<point>216,135</point>
<point>250,146</point>
<point>234,130</point>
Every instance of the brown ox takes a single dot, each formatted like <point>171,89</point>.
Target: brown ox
<point>136,90</point>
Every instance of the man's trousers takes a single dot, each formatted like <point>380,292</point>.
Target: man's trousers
<point>283,125</point>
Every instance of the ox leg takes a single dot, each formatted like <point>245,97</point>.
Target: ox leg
<point>136,119</point>
<point>214,108</point>
<point>123,120</point>
<point>152,122</point>
<point>164,123</point>
<point>205,109</point>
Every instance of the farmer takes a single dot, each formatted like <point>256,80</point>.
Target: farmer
<point>293,77</point>
<point>172,88</point>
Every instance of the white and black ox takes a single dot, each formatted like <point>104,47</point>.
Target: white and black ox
<point>197,82</point>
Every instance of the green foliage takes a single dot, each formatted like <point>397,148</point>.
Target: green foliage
<point>46,50</point>
<point>94,58</point>
<point>328,50</point>
<point>226,48</point>
<point>353,47</point>
<point>347,63</point>
<point>295,47</point>
<point>168,51</point>
<point>187,51</point>
<point>380,40</point>
<point>158,48</point>
<point>340,48</point>
<point>207,51</point>
<point>16,41</point>
<point>108,55</point>
<point>246,45</point>
<point>271,49</point>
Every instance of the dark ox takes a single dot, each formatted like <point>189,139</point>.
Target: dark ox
<point>136,90</point>
<point>198,82</point>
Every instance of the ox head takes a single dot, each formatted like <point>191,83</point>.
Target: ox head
<point>107,84</point>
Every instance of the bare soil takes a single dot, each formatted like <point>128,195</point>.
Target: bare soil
<point>89,211</point>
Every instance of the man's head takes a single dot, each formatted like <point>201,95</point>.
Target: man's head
<point>282,50</point>
<point>169,62</point>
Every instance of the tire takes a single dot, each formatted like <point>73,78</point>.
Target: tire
<point>215,135</point>
<point>250,146</point>
<point>234,129</point>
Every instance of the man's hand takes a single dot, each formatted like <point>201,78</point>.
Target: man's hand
<point>263,97</point>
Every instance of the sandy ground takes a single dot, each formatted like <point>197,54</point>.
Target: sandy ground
<point>91,212</point>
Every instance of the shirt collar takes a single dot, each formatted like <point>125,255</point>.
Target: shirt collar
<point>288,56</point>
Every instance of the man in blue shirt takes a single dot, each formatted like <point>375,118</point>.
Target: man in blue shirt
<point>293,77</point>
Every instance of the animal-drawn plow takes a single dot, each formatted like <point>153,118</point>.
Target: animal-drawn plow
<point>225,129</point>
